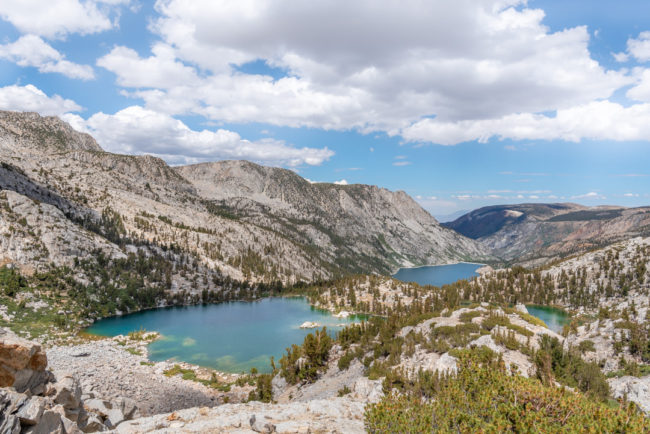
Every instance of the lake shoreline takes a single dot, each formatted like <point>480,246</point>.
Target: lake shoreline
<point>436,265</point>
<point>218,336</point>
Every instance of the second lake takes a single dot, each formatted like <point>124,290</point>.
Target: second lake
<point>438,275</point>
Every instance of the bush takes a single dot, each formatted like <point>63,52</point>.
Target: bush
<point>567,367</point>
<point>483,397</point>
<point>467,316</point>
<point>263,390</point>
<point>11,281</point>
<point>586,345</point>
<point>303,363</point>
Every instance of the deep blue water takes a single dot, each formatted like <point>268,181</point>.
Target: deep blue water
<point>554,318</point>
<point>229,337</point>
<point>438,275</point>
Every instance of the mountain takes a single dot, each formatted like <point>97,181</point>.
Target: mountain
<point>65,198</point>
<point>358,227</point>
<point>539,232</point>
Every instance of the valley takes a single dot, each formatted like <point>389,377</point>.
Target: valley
<point>114,242</point>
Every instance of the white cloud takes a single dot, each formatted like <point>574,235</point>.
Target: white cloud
<point>341,182</point>
<point>401,163</point>
<point>31,50</point>
<point>30,98</point>
<point>161,70</point>
<point>58,18</point>
<point>596,120</point>
<point>639,48</point>
<point>590,195</point>
<point>462,61</point>
<point>631,195</point>
<point>136,130</point>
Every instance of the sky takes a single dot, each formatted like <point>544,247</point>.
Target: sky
<point>461,104</point>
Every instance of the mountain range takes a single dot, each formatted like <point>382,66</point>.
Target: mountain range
<point>247,221</point>
<point>535,233</point>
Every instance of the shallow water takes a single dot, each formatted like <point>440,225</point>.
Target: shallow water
<point>438,275</point>
<point>554,318</point>
<point>229,337</point>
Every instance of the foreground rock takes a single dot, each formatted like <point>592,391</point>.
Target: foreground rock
<point>34,400</point>
<point>106,371</point>
<point>633,389</point>
<point>336,415</point>
<point>22,364</point>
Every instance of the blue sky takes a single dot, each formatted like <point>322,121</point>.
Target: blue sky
<point>461,105</point>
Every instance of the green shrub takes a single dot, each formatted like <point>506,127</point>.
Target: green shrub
<point>586,345</point>
<point>303,363</point>
<point>568,367</point>
<point>483,397</point>
<point>468,316</point>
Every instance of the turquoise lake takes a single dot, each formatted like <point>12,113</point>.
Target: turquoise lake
<point>554,318</point>
<point>229,337</point>
<point>438,275</point>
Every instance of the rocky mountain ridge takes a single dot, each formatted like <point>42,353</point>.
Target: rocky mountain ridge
<point>246,234</point>
<point>368,225</point>
<point>531,234</point>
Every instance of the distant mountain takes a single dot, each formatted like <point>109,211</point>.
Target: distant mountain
<point>538,232</point>
<point>64,199</point>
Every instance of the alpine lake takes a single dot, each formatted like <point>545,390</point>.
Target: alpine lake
<point>438,275</point>
<point>237,336</point>
<point>230,336</point>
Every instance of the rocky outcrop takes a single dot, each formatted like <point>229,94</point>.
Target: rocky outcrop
<point>22,364</point>
<point>633,389</point>
<point>336,415</point>
<point>34,400</point>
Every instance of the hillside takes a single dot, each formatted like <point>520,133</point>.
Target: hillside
<point>241,220</point>
<point>534,233</point>
<point>357,227</point>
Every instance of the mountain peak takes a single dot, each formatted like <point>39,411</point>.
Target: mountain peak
<point>31,129</point>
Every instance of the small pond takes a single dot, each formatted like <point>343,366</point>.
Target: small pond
<point>438,275</point>
<point>554,318</point>
<point>229,337</point>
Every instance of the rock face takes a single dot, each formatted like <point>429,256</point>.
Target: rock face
<point>635,389</point>
<point>22,364</point>
<point>539,232</point>
<point>34,400</point>
<point>380,229</point>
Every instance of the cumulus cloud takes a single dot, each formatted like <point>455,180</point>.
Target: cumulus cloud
<point>341,182</point>
<point>59,18</point>
<point>30,98</point>
<point>160,70</point>
<point>136,130</point>
<point>639,47</point>
<point>387,66</point>
<point>31,50</point>
<point>595,120</point>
